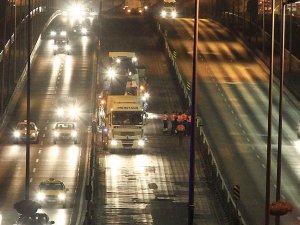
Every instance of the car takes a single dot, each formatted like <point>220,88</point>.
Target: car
<point>19,134</point>
<point>67,109</point>
<point>61,45</point>
<point>59,33</point>
<point>82,29</point>
<point>65,131</point>
<point>52,191</point>
<point>36,219</point>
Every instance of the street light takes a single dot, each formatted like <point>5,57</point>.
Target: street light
<point>282,51</point>
<point>111,73</point>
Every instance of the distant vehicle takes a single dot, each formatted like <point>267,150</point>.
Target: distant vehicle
<point>20,131</point>
<point>65,131</point>
<point>58,33</point>
<point>36,219</point>
<point>169,9</point>
<point>133,7</point>
<point>52,191</point>
<point>61,45</point>
<point>67,109</point>
<point>82,29</point>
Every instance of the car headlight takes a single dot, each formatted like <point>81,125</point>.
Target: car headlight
<point>83,30</point>
<point>55,47</point>
<point>174,14</point>
<point>40,196</point>
<point>33,134</point>
<point>163,13</point>
<point>52,33</point>
<point>141,142</point>
<point>61,196</point>
<point>56,133</point>
<point>68,47</point>
<point>60,112</point>
<point>17,134</point>
<point>74,134</point>
<point>114,142</point>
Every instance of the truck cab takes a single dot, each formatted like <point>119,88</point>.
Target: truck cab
<point>169,9</point>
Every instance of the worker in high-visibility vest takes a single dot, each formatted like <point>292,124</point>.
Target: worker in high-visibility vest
<point>173,118</point>
<point>180,132</point>
<point>164,118</point>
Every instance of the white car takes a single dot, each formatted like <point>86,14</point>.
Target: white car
<point>65,131</point>
<point>19,134</point>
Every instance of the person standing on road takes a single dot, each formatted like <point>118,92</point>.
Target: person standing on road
<point>180,132</point>
<point>164,118</point>
<point>173,122</point>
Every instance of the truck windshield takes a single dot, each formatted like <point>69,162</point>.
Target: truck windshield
<point>127,118</point>
<point>169,4</point>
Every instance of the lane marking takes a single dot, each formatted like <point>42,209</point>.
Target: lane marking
<point>34,169</point>
<point>37,160</point>
<point>263,165</point>
<point>40,151</point>
<point>44,135</point>
<point>30,180</point>
<point>257,156</point>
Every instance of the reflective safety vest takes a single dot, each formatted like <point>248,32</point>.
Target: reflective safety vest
<point>180,127</point>
<point>172,117</point>
<point>189,119</point>
<point>164,117</point>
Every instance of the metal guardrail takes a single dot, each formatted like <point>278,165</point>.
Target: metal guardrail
<point>186,87</point>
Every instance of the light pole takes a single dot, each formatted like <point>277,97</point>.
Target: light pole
<point>193,107</point>
<point>282,51</point>
<point>27,178</point>
<point>269,141</point>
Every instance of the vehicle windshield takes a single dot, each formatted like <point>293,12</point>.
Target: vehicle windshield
<point>169,4</point>
<point>23,126</point>
<point>65,126</point>
<point>51,186</point>
<point>66,101</point>
<point>127,118</point>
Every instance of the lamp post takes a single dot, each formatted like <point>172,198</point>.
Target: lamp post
<point>28,101</point>
<point>193,114</point>
<point>269,141</point>
<point>282,51</point>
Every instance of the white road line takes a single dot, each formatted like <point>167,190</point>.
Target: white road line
<point>232,112</point>
<point>283,197</point>
<point>34,169</point>
<point>40,151</point>
<point>248,140</point>
<point>263,165</point>
<point>37,160</point>
<point>275,186</point>
<point>257,156</point>
<point>30,180</point>
<point>44,135</point>
<point>244,132</point>
<point>240,125</point>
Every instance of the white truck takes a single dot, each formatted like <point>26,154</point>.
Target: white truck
<point>133,7</point>
<point>169,9</point>
<point>124,118</point>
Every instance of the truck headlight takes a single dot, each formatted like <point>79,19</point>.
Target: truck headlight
<point>114,142</point>
<point>52,33</point>
<point>33,134</point>
<point>74,134</point>
<point>60,112</point>
<point>56,134</point>
<point>17,134</point>
<point>61,196</point>
<point>84,31</point>
<point>134,59</point>
<point>68,47</point>
<point>141,142</point>
<point>40,196</point>
<point>74,112</point>
<point>63,33</point>
<point>163,13</point>
<point>174,14</point>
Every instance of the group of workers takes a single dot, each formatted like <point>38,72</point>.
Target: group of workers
<point>180,124</point>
